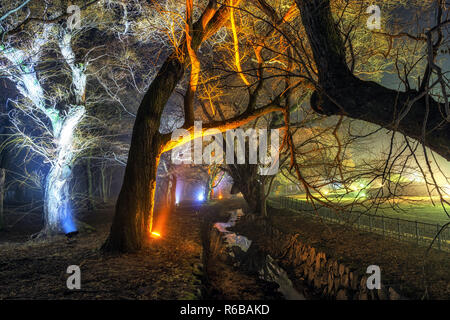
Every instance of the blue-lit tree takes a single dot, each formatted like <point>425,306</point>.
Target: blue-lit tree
<point>48,56</point>
<point>58,125</point>
<point>54,113</point>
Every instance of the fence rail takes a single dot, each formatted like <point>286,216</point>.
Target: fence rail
<point>405,230</point>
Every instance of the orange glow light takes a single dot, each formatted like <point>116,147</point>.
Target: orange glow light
<point>156,234</point>
<point>220,197</point>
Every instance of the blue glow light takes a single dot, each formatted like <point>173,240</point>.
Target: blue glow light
<point>67,222</point>
<point>68,225</point>
<point>201,196</point>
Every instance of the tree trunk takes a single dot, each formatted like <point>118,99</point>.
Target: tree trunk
<point>341,93</point>
<point>58,213</point>
<point>208,189</point>
<point>162,191</point>
<point>266,188</point>
<point>134,207</point>
<point>90,195</point>
<point>263,199</point>
<point>104,184</point>
<point>2,193</point>
<point>210,194</point>
<point>172,192</point>
<point>264,208</point>
<point>245,180</point>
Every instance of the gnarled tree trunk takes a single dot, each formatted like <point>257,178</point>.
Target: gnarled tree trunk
<point>341,93</point>
<point>134,207</point>
<point>245,180</point>
<point>172,192</point>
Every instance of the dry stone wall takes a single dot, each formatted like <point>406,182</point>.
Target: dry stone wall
<point>325,275</point>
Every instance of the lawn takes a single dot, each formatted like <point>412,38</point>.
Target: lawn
<point>408,208</point>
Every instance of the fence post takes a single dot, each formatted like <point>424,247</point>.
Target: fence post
<point>439,236</point>
<point>398,227</point>
<point>417,232</point>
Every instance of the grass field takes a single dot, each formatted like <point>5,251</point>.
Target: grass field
<point>408,208</point>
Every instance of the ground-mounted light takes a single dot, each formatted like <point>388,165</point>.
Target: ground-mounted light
<point>71,235</point>
<point>155,234</point>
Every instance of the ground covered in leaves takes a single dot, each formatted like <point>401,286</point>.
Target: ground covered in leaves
<point>163,270</point>
<point>171,267</point>
<point>176,266</point>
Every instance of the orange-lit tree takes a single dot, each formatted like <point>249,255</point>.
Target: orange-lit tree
<point>134,208</point>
